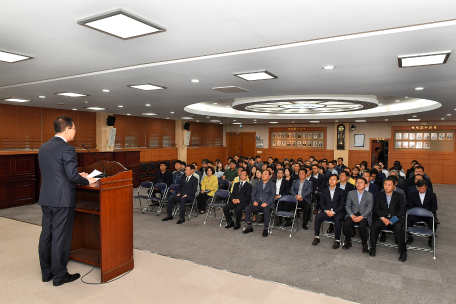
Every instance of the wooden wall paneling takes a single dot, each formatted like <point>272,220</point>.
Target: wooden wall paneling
<point>7,127</point>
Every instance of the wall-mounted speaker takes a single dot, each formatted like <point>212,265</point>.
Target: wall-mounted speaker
<point>186,125</point>
<point>111,120</point>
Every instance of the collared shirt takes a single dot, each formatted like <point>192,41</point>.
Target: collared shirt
<point>264,185</point>
<point>301,185</point>
<point>278,184</point>
<point>60,137</point>
<point>331,192</point>
<point>230,174</point>
<point>241,183</point>
<point>388,199</point>
<point>316,176</point>
<point>360,196</point>
<point>422,195</point>
<point>342,186</point>
<point>367,188</point>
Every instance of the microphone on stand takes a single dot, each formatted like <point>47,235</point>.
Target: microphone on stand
<point>104,171</point>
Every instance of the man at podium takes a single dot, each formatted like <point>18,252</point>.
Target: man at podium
<point>59,173</point>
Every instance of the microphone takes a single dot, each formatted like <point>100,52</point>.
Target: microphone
<point>104,171</point>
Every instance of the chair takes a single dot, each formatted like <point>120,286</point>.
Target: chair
<point>193,204</point>
<point>322,231</point>
<point>223,195</point>
<point>286,214</point>
<point>139,195</point>
<point>342,237</point>
<point>173,187</point>
<point>222,183</point>
<point>144,174</point>
<point>159,200</point>
<point>421,231</point>
<point>152,169</point>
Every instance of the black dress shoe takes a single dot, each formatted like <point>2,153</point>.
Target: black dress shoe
<point>346,246</point>
<point>336,245</point>
<point>229,225</point>
<point>248,229</point>
<point>167,218</point>
<point>383,237</point>
<point>47,277</point>
<point>265,232</point>
<point>69,279</point>
<point>403,257</point>
<point>237,226</point>
<point>305,226</point>
<point>365,249</point>
<point>372,252</point>
<point>181,221</point>
<point>316,241</point>
<point>409,240</point>
<point>261,220</point>
<point>330,229</point>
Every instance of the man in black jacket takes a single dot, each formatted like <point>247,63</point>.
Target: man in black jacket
<point>346,187</point>
<point>332,204</point>
<point>239,199</point>
<point>162,176</point>
<point>186,194</point>
<point>387,206</point>
<point>59,174</point>
<point>318,182</point>
<point>410,182</point>
<point>423,198</point>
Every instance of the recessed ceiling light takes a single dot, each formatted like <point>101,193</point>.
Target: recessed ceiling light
<point>197,121</point>
<point>215,120</point>
<point>167,117</point>
<point>414,116</point>
<point>221,123</point>
<point>237,123</point>
<point>186,117</point>
<point>11,58</point>
<point>195,80</point>
<point>107,91</point>
<point>406,97</point>
<point>74,109</point>
<point>234,119</point>
<point>42,96</point>
<point>129,114</point>
<point>16,99</point>
<point>71,94</point>
<point>252,76</point>
<point>386,119</point>
<point>397,100</point>
<point>120,106</point>
<point>419,88</point>
<point>255,119</point>
<point>273,122</point>
<point>314,121</point>
<point>360,120</point>
<point>171,112</point>
<point>406,61</point>
<point>149,114</point>
<point>60,103</point>
<point>147,104</point>
<point>147,87</point>
<point>95,108</point>
<point>336,121</point>
<point>413,119</point>
<point>215,103</point>
<point>448,114</point>
<point>121,24</point>
<point>254,122</point>
<point>328,67</point>
<point>443,118</point>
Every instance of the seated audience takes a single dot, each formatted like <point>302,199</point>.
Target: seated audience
<point>350,179</point>
<point>410,182</point>
<point>188,187</point>
<point>332,204</point>
<point>177,174</point>
<point>236,179</point>
<point>257,177</point>
<point>340,163</point>
<point>282,185</point>
<point>400,180</point>
<point>387,205</point>
<point>162,176</point>
<point>209,182</point>
<point>288,175</point>
<point>375,179</point>
<point>239,199</point>
<point>219,170</point>
<point>258,162</point>
<point>230,173</point>
<point>359,212</point>
<point>355,173</point>
<point>383,169</point>
<point>370,186</point>
<point>302,190</point>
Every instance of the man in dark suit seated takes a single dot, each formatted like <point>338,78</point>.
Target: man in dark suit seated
<point>398,190</point>
<point>332,204</point>
<point>302,190</point>
<point>162,176</point>
<point>359,210</point>
<point>282,186</point>
<point>346,187</point>
<point>239,199</point>
<point>410,182</point>
<point>263,196</point>
<point>370,186</point>
<point>318,182</point>
<point>59,176</point>
<point>387,205</point>
<point>188,187</point>
<point>423,198</point>
<point>375,179</point>
<point>400,181</point>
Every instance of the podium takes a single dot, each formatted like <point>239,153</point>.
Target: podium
<point>103,222</point>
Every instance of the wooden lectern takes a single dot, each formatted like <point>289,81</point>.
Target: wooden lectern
<point>103,223</point>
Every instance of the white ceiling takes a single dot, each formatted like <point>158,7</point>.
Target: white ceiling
<point>48,31</point>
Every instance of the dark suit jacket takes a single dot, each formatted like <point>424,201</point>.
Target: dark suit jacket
<point>348,187</point>
<point>318,184</point>
<point>284,187</point>
<point>59,174</point>
<point>429,203</point>
<point>190,188</point>
<point>267,194</point>
<point>397,206</point>
<point>379,182</point>
<point>410,182</point>
<point>166,177</point>
<point>244,195</point>
<point>373,188</point>
<point>337,204</point>
<point>306,190</point>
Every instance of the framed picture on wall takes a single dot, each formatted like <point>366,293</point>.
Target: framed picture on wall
<point>405,144</point>
<point>299,143</point>
<point>398,145</point>
<point>299,135</point>
<point>412,136</point>
<point>433,136</point>
<point>405,136</point>
<point>419,136</point>
<point>273,143</point>
<point>279,135</point>
<point>419,145</point>
<point>284,135</point>
<point>441,136</point>
<point>293,135</point>
<point>279,143</point>
<point>289,143</point>
<point>309,144</point>
<point>273,135</point>
<point>315,143</point>
<point>426,136</point>
<point>315,136</point>
<point>288,135</point>
<point>398,136</point>
<point>284,143</point>
<point>293,143</point>
<point>257,137</point>
<point>449,136</point>
<point>427,145</point>
<point>309,135</point>
<point>320,135</point>
<point>320,144</point>
<point>304,144</point>
<point>359,140</point>
<point>304,135</point>
<point>411,144</point>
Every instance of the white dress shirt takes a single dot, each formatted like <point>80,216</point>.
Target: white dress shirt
<point>422,195</point>
<point>61,137</point>
<point>278,184</point>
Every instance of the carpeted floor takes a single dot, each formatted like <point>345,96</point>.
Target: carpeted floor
<point>350,274</point>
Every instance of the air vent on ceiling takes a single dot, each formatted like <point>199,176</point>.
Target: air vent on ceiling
<point>230,89</point>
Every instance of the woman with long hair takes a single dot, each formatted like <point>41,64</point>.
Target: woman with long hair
<point>257,177</point>
<point>219,170</point>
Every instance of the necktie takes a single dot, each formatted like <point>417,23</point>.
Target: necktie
<point>186,180</point>
<point>240,185</point>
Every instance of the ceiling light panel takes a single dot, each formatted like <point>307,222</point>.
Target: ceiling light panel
<point>253,76</point>
<point>406,61</point>
<point>147,87</point>
<point>122,24</point>
<point>95,108</point>
<point>16,100</point>
<point>71,94</point>
<point>12,58</point>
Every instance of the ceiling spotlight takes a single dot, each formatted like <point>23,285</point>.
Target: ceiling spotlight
<point>147,87</point>
<point>197,121</point>
<point>195,80</point>
<point>71,94</point>
<point>314,121</point>
<point>167,117</point>
<point>406,97</point>
<point>95,108</point>
<point>273,122</point>
<point>129,114</point>
<point>328,67</point>
<point>215,103</point>
<point>16,100</point>
<point>336,121</point>
<point>413,119</point>
<point>215,120</point>
<point>237,123</point>
<point>121,24</point>
<point>406,61</point>
<point>253,76</point>
<point>443,118</point>
<point>42,96</point>
<point>86,102</point>
<point>120,106</point>
<point>107,91</point>
<point>74,109</point>
<point>448,114</point>
<point>221,123</point>
<point>149,114</point>
<point>60,103</point>
<point>171,112</point>
<point>12,58</point>
<point>419,88</point>
<point>147,104</point>
<point>360,120</point>
<point>254,122</point>
<point>414,116</point>
<point>186,117</point>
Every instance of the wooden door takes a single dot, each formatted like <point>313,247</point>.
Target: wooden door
<point>248,144</point>
<point>241,144</point>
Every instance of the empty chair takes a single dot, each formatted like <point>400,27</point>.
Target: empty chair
<point>143,193</point>
<point>152,169</point>
<point>224,184</point>
<point>159,200</point>
<point>144,171</point>
<point>285,214</point>
<point>421,231</point>
<point>223,196</point>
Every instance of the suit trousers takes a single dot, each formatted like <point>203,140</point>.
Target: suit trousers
<point>337,219</point>
<point>254,209</point>
<point>348,224</point>
<point>55,241</point>
<point>238,208</point>
<point>183,201</point>
<point>202,199</point>
<point>304,205</point>
<point>412,220</point>
<point>397,228</point>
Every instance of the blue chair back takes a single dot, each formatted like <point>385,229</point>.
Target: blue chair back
<point>288,198</point>
<point>222,193</point>
<point>174,187</point>
<point>146,185</point>
<point>224,182</point>
<point>417,211</point>
<point>161,186</point>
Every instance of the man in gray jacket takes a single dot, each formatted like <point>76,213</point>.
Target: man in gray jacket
<point>263,196</point>
<point>359,212</point>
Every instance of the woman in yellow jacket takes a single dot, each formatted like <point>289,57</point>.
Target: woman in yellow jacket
<point>209,182</point>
